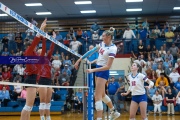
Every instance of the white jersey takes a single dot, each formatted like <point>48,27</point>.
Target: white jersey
<point>105,52</point>
<point>137,84</point>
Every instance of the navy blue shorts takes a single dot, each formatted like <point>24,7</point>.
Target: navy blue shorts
<point>139,98</point>
<point>102,74</point>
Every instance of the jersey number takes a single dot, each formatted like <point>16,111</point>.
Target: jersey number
<point>133,83</point>
<point>101,51</point>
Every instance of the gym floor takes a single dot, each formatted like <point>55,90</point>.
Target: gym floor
<point>79,116</point>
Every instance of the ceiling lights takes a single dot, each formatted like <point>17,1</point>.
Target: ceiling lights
<point>176,8</point>
<point>33,4</point>
<point>134,10</point>
<point>43,13</point>
<point>88,11</point>
<point>82,2</point>
<point>134,0</point>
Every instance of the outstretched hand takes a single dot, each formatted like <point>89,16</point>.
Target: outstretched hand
<point>43,25</point>
<point>89,70</point>
<point>54,35</point>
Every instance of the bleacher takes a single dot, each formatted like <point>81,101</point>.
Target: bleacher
<point>57,107</point>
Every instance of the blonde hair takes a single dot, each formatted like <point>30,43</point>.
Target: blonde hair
<point>110,32</point>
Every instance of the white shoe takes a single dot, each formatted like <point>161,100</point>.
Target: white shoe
<point>114,115</point>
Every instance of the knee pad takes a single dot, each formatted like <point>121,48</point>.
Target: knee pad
<point>106,99</point>
<point>99,105</point>
<point>48,105</point>
<point>42,106</point>
<point>27,108</point>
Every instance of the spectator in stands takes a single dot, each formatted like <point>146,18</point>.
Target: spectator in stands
<point>17,91</point>
<point>162,52</point>
<point>121,90</point>
<point>178,101</point>
<point>174,51</point>
<point>150,93</point>
<point>68,62</point>
<point>113,88</point>
<point>128,35</point>
<point>4,96</point>
<point>95,36</point>
<point>174,75</point>
<point>56,63</point>
<point>5,42</point>
<point>177,86</point>
<point>34,22</point>
<point>169,69</point>
<point>148,52</point>
<point>18,40</point>
<point>57,54</point>
<point>64,79</point>
<point>139,60</point>
<point>173,28</point>
<point>95,27</point>
<point>119,34</point>
<point>152,37</point>
<point>17,78</point>
<point>71,32</point>
<point>157,100</point>
<point>166,64</point>
<point>178,64</point>
<point>154,49</point>
<point>20,70</point>
<point>162,81</point>
<point>11,38</point>
<point>170,99</point>
<point>6,75</point>
<point>169,56</point>
<point>67,70</point>
<point>145,24</point>
<point>162,34</point>
<point>22,97</point>
<point>169,38</point>
<point>79,33</point>
<point>165,48</point>
<point>85,36</point>
<point>29,34</point>
<point>157,31</point>
<point>79,96</point>
<point>141,48</point>
<point>67,40</point>
<point>74,45</point>
<point>5,52</point>
<point>12,53</point>
<point>59,38</point>
<point>159,70</point>
<point>143,35</point>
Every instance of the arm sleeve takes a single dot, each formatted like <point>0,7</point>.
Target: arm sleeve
<point>113,52</point>
<point>51,50</point>
<point>43,47</point>
<point>144,78</point>
<point>32,46</point>
<point>90,52</point>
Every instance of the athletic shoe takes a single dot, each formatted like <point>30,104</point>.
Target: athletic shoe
<point>114,115</point>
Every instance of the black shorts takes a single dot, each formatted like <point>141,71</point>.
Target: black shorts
<point>30,79</point>
<point>45,81</point>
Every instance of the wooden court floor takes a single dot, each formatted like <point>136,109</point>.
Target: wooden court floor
<point>76,116</point>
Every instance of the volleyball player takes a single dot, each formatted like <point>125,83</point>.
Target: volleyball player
<point>45,93</point>
<point>137,90</point>
<point>31,72</point>
<point>107,51</point>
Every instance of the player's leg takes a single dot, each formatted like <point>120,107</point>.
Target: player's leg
<point>31,94</point>
<point>143,109</point>
<point>100,90</point>
<point>42,106</point>
<point>48,103</point>
<point>133,109</point>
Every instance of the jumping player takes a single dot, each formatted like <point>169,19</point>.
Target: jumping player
<point>107,51</point>
<point>137,90</point>
<point>31,72</point>
<point>45,94</point>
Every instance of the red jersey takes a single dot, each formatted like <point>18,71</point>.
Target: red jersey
<point>6,75</point>
<point>45,69</point>
<point>32,68</point>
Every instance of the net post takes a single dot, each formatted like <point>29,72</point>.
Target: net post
<point>91,96</point>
